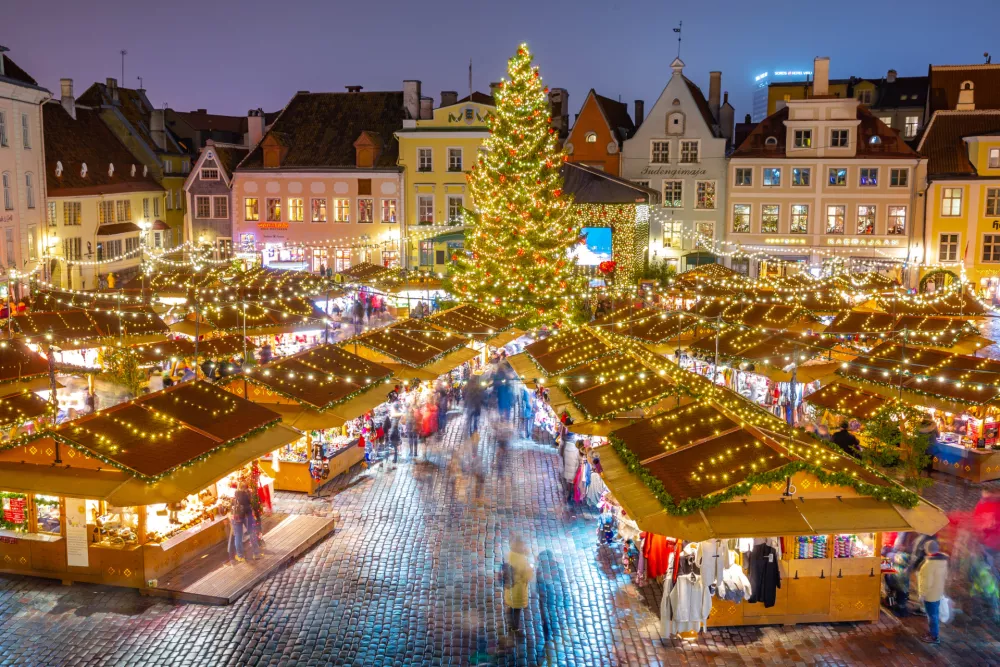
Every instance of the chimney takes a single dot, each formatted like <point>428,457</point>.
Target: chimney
<point>112,86</point>
<point>714,91</point>
<point>448,98</point>
<point>966,99</point>
<point>727,118</point>
<point>640,113</point>
<point>203,112</point>
<point>891,76</point>
<point>494,86</point>
<point>354,89</point>
<point>2,49</point>
<point>747,119</point>
<point>156,130</point>
<point>411,98</point>
<point>255,126</point>
<point>821,76</point>
<point>426,108</point>
<point>66,97</point>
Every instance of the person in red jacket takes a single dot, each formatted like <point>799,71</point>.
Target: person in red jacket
<point>986,519</point>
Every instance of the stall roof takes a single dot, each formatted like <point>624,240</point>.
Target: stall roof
<point>21,407</point>
<point>321,377</point>
<point>756,315</point>
<point>70,329</point>
<point>413,342</point>
<point>566,349</point>
<point>471,321</point>
<point>160,432</point>
<point>733,341</point>
<point>846,400</point>
<point>954,304</point>
<point>224,346</point>
<point>366,272</point>
<point>958,377</point>
<point>18,362</point>
<point>279,281</point>
<point>612,385</point>
<point>50,300</point>
<point>292,313</point>
<point>852,322</point>
<point>649,325</point>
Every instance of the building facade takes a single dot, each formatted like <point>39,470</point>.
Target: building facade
<point>322,187</point>
<point>963,197</point>
<point>679,151</point>
<point>208,188</point>
<point>823,177</point>
<point>100,198</point>
<point>141,127</point>
<point>22,168</point>
<point>435,153</point>
<point>600,131</point>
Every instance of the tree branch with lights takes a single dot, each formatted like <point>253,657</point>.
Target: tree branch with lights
<point>516,256</point>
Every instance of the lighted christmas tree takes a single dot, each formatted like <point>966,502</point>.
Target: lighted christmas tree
<point>517,243</point>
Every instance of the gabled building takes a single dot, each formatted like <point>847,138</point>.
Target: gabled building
<point>823,177</point>
<point>22,168</point>
<point>679,151</point>
<point>600,131</point>
<point>100,198</point>
<point>141,127</point>
<point>208,188</point>
<point>962,147</point>
<point>323,188</point>
<point>436,150</point>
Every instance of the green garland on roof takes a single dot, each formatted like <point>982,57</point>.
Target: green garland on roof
<point>891,493</point>
<point>154,478</point>
<point>894,387</point>
<point>354,394</point>
<point>437,357</point>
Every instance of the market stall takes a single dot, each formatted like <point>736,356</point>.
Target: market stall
<point>125,495</point>
<point>959,393</point>
<point>413,349</point>
<point>865,328</point>
<point>756,507</point>
<point>317,392</point>
<point>560,352</point>
<point>485,329</point>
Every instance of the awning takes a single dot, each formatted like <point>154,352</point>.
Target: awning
<point>359,405</point>
<point>505,337</point>
<point>187,327</point>
<point>304,418</point>
<point>450,361</point>
<point>50,480</point>
<point>602,428</point>
<point>404,372</point>
<point>159,226</point>
<point>907,396</point>
<point>851,515</point>
<point>803,374</point>
<point>762,518</point>
<point>524,367</point>
<point>197,476</point>
<point>118,228</point>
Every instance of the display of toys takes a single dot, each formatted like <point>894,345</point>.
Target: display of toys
<point>811,546</point>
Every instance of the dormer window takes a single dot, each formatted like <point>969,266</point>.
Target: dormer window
<point>840,138</point>
<point>875,140</point>
<point>111,169</point>
<point>145,170</point>
<point>59,169</point>
<point>83,170</point>
<point>771,141</point>
<point>132,171</point>
<point>803,138</point>
<point>994,159</point>
<point>591,137</point>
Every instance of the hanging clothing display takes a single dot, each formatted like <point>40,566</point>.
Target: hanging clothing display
<point>735,586</point>
<point>657,550</point>
<point>712,558</point>
<point>765,574</point>
<point>688,605</point>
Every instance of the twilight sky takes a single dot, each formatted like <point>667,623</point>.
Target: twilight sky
<point>232,55</point>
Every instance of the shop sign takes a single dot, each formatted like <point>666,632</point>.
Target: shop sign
<point>13,510</point>
<point>649,170</point>
<point>77,553</point>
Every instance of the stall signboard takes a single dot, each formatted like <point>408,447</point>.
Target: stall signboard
<point>13,510</point>
<point>77,548</point>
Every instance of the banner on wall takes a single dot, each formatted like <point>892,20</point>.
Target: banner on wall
<point>77,554</point>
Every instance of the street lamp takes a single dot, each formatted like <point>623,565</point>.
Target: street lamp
<point>51,242</point>
<point>144,226</point>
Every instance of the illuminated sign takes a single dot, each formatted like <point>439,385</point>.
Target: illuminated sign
<point>863,242</point>
<point>272,225</point>
<point>760,76</point>
<point>793,73</point>
<point>786,241</point>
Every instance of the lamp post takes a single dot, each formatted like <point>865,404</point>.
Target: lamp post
<point>50,245</point>
<point>144,226</point>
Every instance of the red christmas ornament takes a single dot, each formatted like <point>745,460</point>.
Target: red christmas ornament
<point>520,252</point>
<point>557,192</point>
<point>503,179</point>
<point>545,89</point>
<point>607,267</point>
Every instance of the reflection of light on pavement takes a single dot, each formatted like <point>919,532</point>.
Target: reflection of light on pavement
<point>990,328</point>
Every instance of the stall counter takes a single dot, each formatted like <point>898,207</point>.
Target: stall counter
<point>975,465</point>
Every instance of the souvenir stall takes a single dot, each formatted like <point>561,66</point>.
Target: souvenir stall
<point>662,331</point>
<point>747,525</point>
<point>831,403</point>
<point>124,496</point>
<point>864,329</point>
<point>23,412</point>
<point>486,330</point>
<point>559,352</point>
<point>319,392</point>
<point>960,394</point>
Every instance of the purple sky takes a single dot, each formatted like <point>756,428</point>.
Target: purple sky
<point>232,55</point>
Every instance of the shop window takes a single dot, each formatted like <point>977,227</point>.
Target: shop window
<point>454,159</point>
<point>47,515</point>
<point>840,138</point>
<point>388,210</point>
<point>220,207</point>
<point>341,210</point>
<point>673,194</point>
<point>426,253</point>
<point>425,159</point>
<point>835,219</point>
<point>769,216</point>
<point>800,219</point>
<point>866,219</point>
<point>456,208</point>
<point>951,201</point>
<point>319,209</point>
<point>689,151</point>
<point>274,209</point>
<point>425,209</point>
<point>202,207</point>
<point>296,209</point>
<point>705,195</point>
<point>341,260</point>
<point>868,177</point>
<point>803,138</point>
<point>659,152</point>
<point>15,512</point>
<point>854,545</point>
<point>366,210</point>
<point>744,176</point>
<point>251,210</point>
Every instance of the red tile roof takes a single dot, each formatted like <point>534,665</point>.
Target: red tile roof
<point>319,129</point>
<point>616,113</point>
<point>88,140</point>
<point>890,145</point>
<point>942,143</point>
<point>207,122</point>
<point>228,156</point>
<point>945,81</point>
<point>135,107</point>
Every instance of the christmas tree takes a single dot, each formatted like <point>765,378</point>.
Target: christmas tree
<point>516,256</point>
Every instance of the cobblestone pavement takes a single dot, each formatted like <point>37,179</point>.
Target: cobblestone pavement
<point>409,578</point>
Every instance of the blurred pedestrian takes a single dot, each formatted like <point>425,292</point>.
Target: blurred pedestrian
<point>548,587</point>
<point>931,579</point>
<point>517,577</point>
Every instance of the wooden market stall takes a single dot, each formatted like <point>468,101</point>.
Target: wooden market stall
<point>705,472</point>
<point>560,352</point>
<point>413,349</point>
<point>960,393</point>
<point>869,327</point>
<point>662,331</point>
<point>315,391</point>
<point>127,494</point>
<point>483,327</point>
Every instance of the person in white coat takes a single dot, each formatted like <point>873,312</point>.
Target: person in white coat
<point>518,576</point>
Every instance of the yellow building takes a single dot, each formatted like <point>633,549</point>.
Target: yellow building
<point>436,151</point>
<point>963,195</point>
<point>786,91</point>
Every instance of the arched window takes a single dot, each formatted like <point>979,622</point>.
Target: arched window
<point>83,170</point>
<point>59,168</point>
<point>875,140</point>
<point>591,137</point>
<point>771,141</point>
